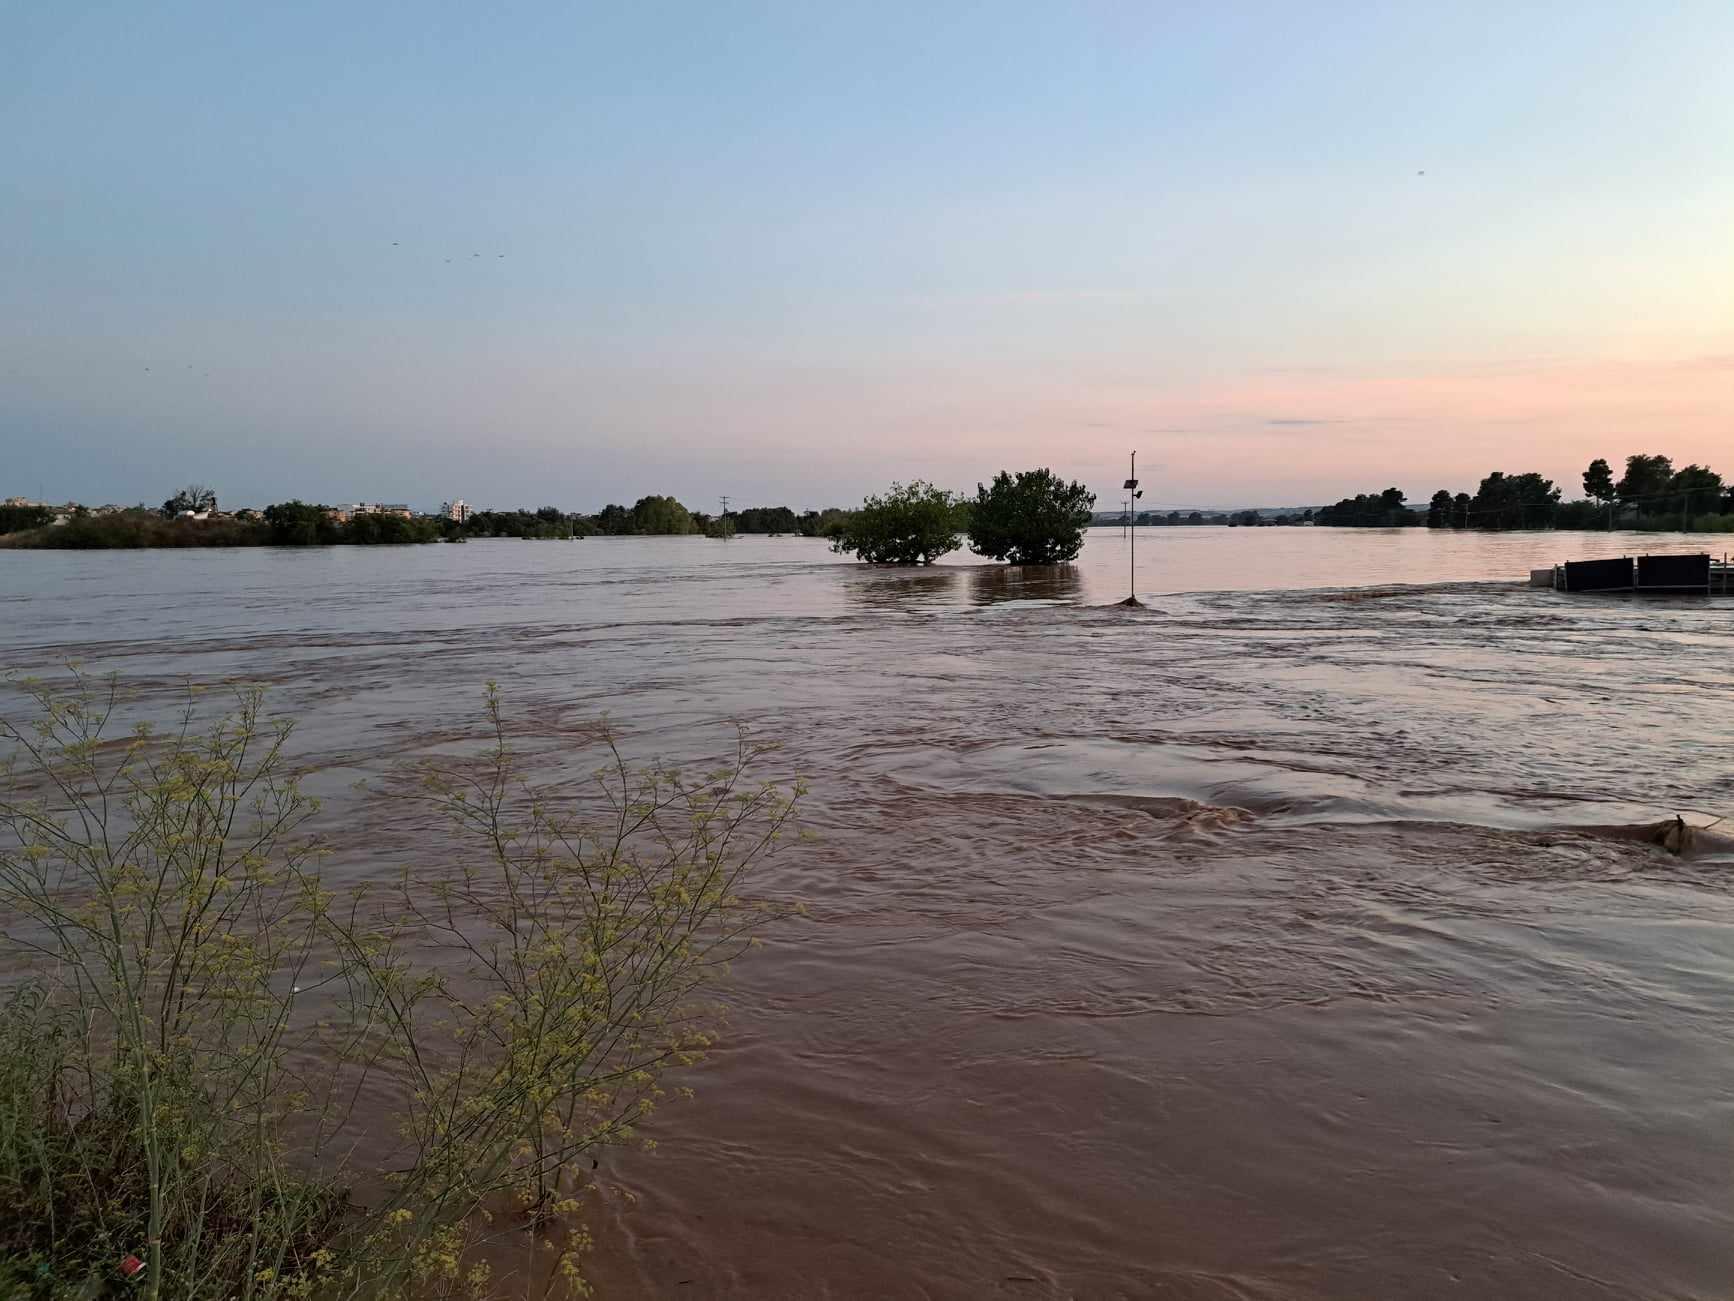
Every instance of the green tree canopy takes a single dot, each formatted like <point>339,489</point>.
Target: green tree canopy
<point>548,522</point>
<point>1439,510</point>
<point>614,520</point>
<point>825,523</point>
<point>1646,480</point>
<point>765,519</point>
<point>1386,510</point>
<point>661,515</point>
<point>300,524</point>
<point>15,519</point>
<point>1598,481</point>
<point>378,529</point>
<point>1514,501</point>
<point>1035,519</point>
<point>1700,489</point>
<point>911,524</point>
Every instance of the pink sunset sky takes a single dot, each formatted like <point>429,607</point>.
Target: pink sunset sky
<point>1287,253</point>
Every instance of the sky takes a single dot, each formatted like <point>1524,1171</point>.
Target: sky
<point>560,253</point>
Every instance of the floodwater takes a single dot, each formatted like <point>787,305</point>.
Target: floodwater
<point>1264,943</point>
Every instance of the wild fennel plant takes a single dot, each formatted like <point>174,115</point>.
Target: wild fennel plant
<point>193,1019</point>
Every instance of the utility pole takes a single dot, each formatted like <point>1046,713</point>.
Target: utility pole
<point>722,523</point>
<point>1132,496</point>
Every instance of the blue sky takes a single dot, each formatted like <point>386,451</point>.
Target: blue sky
<point>563,253</point>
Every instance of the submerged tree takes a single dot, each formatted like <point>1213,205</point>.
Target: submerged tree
<point>827,523</point>
<point>1514,501</point>
<point>911,524</point>
<point>1439,510</point>
<point>302,524</point>
<point>1645,482</point>
<point>1699,489</point>
<point>661,515</point>
<point>614,520</point>
<point>1035,519</point>
<point>1365,510</point>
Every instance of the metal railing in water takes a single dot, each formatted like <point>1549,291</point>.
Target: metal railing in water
<point>1698,574</point>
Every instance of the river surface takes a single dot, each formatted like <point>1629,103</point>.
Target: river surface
<point>1263,943</point>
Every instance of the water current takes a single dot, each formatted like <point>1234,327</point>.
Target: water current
<point>1278,940</point>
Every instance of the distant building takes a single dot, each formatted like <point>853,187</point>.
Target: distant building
<point>382,508</point>
<point>457,510</point>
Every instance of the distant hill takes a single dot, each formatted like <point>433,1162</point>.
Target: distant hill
<point>1207,512</point>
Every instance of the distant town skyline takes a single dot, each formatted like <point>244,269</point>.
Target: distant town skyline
<point>571,254</point>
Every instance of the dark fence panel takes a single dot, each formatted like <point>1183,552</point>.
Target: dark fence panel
<point>1598,575</point>
<point>1692,572</point>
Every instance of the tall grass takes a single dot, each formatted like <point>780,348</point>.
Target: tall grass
<point>200,1037</point>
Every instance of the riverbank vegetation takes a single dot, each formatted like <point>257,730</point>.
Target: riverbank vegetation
<point>190,518</point>
<point>1368,510</point>
<point>16,519</point>
<point>1026,519</point>
<point>224,1075</point>
<point>1651,496</point>
<point>138,528</point>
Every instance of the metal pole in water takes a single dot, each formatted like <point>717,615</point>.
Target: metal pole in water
<point>1132,495</point>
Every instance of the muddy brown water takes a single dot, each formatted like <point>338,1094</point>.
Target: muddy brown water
<point>1265,943</point>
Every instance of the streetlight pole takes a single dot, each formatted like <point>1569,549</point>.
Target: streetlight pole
<point>1132,524</point>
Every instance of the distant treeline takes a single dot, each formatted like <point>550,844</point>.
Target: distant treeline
<point>286,524</point>
<point>1651,495</point>
<point>191,519</point>
<point>665,515</point>
<point>15,519</point>
<point>1198,518</point>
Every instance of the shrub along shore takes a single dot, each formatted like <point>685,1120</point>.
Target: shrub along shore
<point>224,1076</point>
